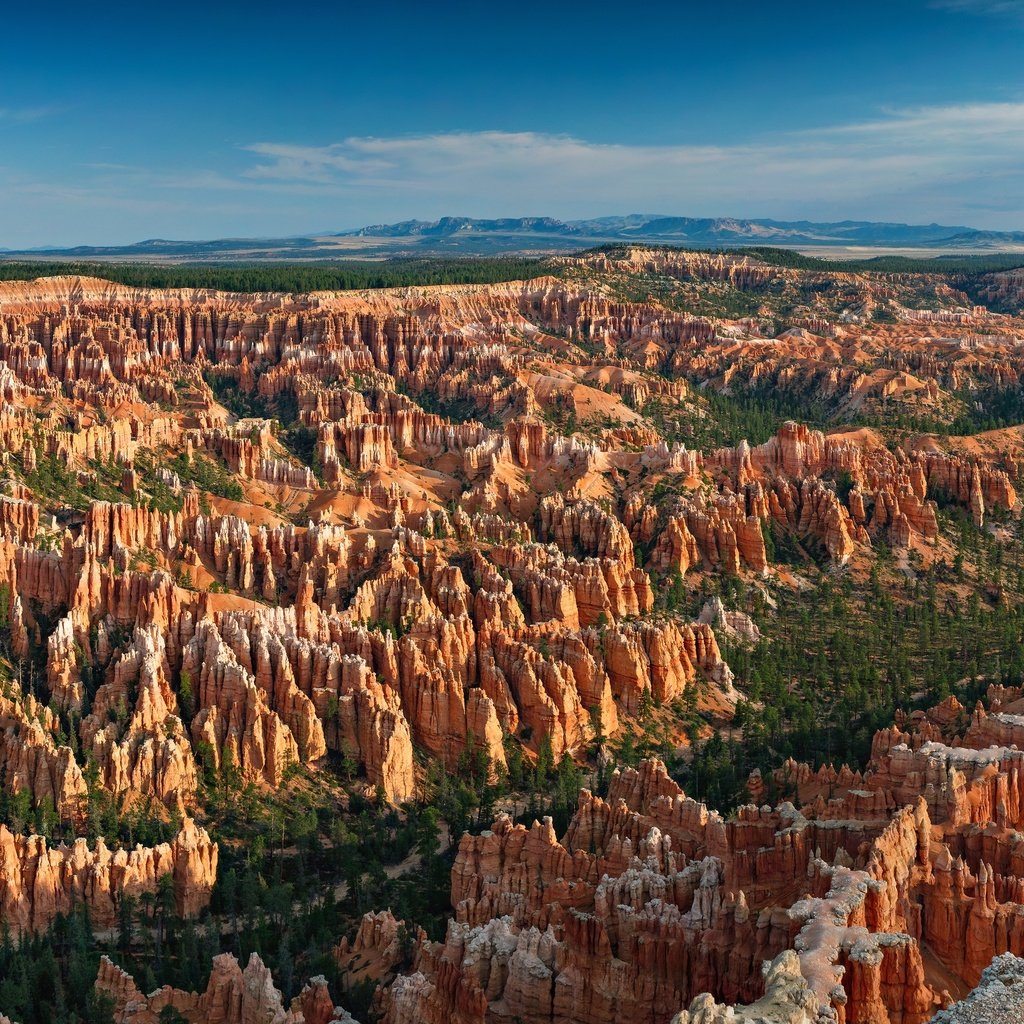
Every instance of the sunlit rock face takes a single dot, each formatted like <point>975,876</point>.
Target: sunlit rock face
<point>242,533</point>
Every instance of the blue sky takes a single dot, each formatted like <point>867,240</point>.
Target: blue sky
<point>119,122</point>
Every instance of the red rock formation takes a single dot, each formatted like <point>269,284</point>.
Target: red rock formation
<point>441,584</point>
<point>38,881</point>
<point>550,930</point>
<point>787,1000</point>
<point>232,996</point>
<point>32,761</point>
<point>243,715</point>
<point>141,751</point>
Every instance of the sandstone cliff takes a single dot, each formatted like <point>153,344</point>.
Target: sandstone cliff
<point>38,881</point>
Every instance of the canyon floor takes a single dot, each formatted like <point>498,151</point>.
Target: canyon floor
<point>639,642</point>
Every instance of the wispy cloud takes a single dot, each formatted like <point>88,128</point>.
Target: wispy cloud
<point>925,159</point>
<point>997,8</point>
<point>957,164</point>
<point>25,115</point>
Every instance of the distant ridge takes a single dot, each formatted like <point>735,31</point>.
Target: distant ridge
<point>456,225</point>
<point>470,236</point>
<point>703,230</point>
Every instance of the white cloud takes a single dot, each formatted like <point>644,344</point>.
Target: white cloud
<point>25,115</point>
<point>997,8</point>
<point>961,164</point>
<point>931,162</point>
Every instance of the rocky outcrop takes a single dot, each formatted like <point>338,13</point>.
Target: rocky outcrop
<point>369,723</point>
<point>237,717</point>
<point>652,904</point>
<point>998,997</point>
<point>787,1000</point>
<point>32,761</point>
<point>479,558</point>
<point>232,996</point>
<point>650,899</point>
<point>140,746</point>
<point>39,881</point>
<point>869,885</point>
<point>363,568</point>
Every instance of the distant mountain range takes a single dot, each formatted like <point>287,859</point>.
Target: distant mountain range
<point>469,236</point>
<point>698,230</point>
